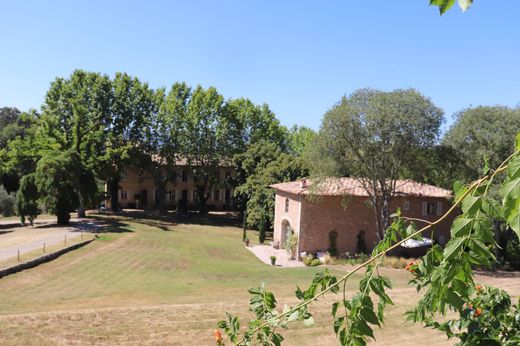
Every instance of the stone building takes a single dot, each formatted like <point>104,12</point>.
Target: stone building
<point>342,205</point>
<point>137,189</point>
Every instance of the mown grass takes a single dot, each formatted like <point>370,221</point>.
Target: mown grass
<point>149,283</point>
<point>28,256</point>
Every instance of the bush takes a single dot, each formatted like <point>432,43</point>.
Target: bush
<point>327,259</point>
<point>315,262</point>
<point>333,237</point>
<point>291,245</point>
<point>7,203</point>
<point>512,253</point>
<point>261,229</point>
<point>308,259</point>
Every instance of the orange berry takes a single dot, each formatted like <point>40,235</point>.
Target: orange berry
<point>478,287</point>
<point>478,312</point>
<point>218,336</point>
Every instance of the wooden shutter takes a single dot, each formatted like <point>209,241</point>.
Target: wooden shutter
<point>439,208</point>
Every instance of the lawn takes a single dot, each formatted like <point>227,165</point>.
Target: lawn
<point>153,282</point>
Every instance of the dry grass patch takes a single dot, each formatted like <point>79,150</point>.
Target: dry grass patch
<point>148,286</point>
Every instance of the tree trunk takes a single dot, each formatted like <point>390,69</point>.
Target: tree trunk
<point>113,190</point>
<point>203,198</point>
<point>160,184</point>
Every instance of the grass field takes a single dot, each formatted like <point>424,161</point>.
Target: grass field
<point>159,283</point>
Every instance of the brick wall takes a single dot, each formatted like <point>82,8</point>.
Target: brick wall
<point>284,218</point>
<point>348,217</point>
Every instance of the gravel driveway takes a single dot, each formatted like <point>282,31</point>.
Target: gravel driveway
<point>27,239</point>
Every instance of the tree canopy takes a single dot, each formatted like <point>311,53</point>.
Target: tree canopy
<point>373,135</point>
<point>484,133</point>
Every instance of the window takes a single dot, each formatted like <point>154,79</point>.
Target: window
<point>171,196</point>
<point>194,195</point>
<point>439,208</point>
<point>228,174</point>
<point>406,205</point>
<point>216,195</point>
<point>286,204</point>
<point>123,194</point>
<point>227,196</point>
<point>124,175</point>
<point>428,208</point>
<point>184,176</point>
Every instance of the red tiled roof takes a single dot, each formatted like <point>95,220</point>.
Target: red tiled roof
<point>352,187</point>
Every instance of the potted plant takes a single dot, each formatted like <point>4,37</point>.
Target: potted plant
<point>246,241</point>
<point>273,260</point>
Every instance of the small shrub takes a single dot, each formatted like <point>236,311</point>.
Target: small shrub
<point>261,230</point>
<point>361,246</point>
<point>327,259</point>
<point>7,203</point>
<point>395,262</point>
<point>273,260</point>
<point>333,237</point>
<point>308,259</point>
<point>315,262</point>
<point>512,253</point>
<point>291,245</point>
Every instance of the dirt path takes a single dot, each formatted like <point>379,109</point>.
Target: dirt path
<point>27,239</point>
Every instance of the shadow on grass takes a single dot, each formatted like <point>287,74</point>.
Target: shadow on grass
<point>96,225</point>
<point>499,273</point>
<point>166,221</point>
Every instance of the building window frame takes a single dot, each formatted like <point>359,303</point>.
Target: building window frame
<point>287,202</point>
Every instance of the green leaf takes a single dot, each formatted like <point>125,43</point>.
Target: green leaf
<point>335,308</point>
<point>452,248</point>
<point>370,316</point>
<point>471,204</point>
<point>513,215</point>
<point>308,322</point>
<point>513,169</point>
<point>517,142</point>
<point>492,208</point>
<point>294,316</point>
<point>461,227</point>
<point>510,190</point>
<point>364,328</point>
<point>465,4</point>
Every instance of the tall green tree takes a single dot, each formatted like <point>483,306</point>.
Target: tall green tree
<point>73,120</point>
<point>373,135</point>
<point>130,107</point>
<point>161,145</point>
<point>205,140</point>
<point>13,125</point>
<point>300,140</point>
<point>27,199</point>
<point>262,165</point>
<point>484,133</point>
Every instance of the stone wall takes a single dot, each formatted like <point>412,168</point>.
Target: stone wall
<point>43,259</point>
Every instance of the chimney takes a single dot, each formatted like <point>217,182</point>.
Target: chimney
<point>304,183</point>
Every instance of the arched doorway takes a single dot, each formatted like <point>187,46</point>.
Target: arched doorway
<point>286,229</point>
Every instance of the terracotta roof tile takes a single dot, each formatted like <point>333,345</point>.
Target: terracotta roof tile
<point>352,187</point>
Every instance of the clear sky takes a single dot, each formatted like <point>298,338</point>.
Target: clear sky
<point>300,57</point>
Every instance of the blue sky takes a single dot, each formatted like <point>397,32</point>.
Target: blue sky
<point>300,57</point>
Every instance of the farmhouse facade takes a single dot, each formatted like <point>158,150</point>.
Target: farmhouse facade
<point>342,205</point>
<point>137,189</point>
